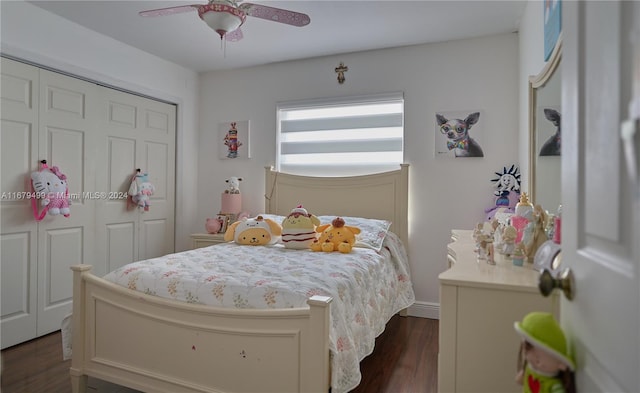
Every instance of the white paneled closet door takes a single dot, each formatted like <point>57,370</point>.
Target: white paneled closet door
<point>18,262</point>
<point>136,132</point>
<point>97,136</point>
<point>67,139</point>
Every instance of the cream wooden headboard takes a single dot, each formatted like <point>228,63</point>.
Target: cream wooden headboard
<point>382,195</point>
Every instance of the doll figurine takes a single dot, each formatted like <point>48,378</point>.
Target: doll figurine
<point>477,231</point>
<point>509,240</point>
<point>490,252</point>
<point>544,363</point>
<point>498,230</point>
<point>538,233</point>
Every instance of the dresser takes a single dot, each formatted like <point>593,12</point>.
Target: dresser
<point>206,239</point>
<point>478,305</point>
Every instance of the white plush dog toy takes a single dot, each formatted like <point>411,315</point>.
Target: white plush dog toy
<point>257,231</point>
<point>234,185</point>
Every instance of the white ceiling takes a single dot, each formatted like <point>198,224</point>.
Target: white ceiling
<point>336,27</point>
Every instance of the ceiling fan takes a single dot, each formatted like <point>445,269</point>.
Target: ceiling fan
<point>226,16</point>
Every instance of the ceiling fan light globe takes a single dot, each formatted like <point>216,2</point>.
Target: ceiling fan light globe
<point>221,18</point>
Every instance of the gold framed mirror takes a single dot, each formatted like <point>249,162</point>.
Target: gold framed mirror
<point>544,133</point>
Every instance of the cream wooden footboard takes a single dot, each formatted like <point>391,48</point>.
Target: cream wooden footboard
<point>158,345</point>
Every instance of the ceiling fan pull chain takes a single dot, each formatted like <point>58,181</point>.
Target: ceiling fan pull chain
<point>223,46</point>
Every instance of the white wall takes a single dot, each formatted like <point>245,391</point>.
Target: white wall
<point>531,44</point>
<point>475,74</point>
<point>35,35</point>
<point>488,74</point>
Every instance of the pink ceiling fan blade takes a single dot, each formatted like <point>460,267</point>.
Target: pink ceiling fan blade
<point>234,36</point>
<point>276,14</point>
<point>170,10</point>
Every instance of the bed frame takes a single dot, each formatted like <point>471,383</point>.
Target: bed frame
<point>159,345</point>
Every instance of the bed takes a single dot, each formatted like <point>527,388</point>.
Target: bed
<point>158,344</point>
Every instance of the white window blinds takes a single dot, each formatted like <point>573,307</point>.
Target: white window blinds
<point>341,137</point>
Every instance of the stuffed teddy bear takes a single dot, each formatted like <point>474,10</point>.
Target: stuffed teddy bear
<point>141,190</point>
<point>546,366</point>
<point>258,231</point>
<point>335,237</point>
<point>52,184</point>
<point>299,229</point>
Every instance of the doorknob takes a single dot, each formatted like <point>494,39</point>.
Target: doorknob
<point>564,281</point>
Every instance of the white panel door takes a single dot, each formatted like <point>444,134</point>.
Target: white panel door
<point>18,141</point>
<point>97,137</point>
<point>136,132</point>
<point>158,158</point>
<point>601,203</point>
<point>67,139</point>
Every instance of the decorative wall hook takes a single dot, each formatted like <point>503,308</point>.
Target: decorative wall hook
<point>340,70</point>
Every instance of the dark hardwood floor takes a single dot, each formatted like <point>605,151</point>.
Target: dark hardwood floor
<point>405,360</point>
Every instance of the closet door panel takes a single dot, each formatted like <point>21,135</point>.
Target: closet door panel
<point>121,246</point>
<point>97,137</point>
<point>61,246</point>
<point>153,235</point>
<point>18,233</point>
<point>157,230</point>
<point>138,133</point>
<point>117,220</point>
<point>67,139</point>
<point>19,292</point>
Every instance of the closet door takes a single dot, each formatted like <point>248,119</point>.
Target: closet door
<point>18,260</point>
<point>136,132</point>
<point>67,139</point>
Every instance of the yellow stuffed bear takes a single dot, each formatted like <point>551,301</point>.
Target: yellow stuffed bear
<point>257,231</point>
<point>335,237</point>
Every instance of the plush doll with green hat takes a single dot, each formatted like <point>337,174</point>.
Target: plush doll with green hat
<point>545,365</point>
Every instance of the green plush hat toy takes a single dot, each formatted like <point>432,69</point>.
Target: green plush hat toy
<point>541,330</point>
<point>544,364</point>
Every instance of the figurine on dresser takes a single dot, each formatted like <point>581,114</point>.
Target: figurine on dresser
<point>522,217</point>
<point>478,234</point>
<point>538,233</point>
<point>498,231</point>
<point>507,191</point>
<point>509,240</point>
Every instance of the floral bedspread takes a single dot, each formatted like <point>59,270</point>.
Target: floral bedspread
<point>367,287</point>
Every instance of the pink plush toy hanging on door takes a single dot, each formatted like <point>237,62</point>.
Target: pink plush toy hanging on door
<point>50,186</point>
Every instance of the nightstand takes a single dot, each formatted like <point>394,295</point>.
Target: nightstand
<point>206,239</point>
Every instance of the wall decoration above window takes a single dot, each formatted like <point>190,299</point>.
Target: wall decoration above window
<point>453,134</point>
<point>233,139</point>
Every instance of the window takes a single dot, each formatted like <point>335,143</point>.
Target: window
<point>341,137</point>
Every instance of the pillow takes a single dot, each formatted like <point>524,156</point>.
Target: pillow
<point>372,231</point>
<point>273,217</point>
